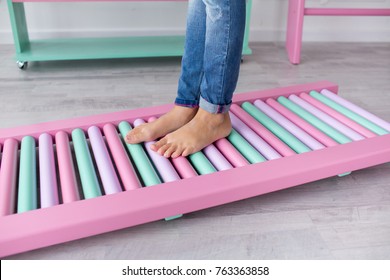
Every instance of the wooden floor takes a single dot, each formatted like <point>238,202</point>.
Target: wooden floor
<point>335,218</point>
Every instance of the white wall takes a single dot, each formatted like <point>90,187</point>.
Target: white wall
<point>268,22</point>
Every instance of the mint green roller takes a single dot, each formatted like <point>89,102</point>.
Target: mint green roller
<point>348,113</point>
<point>27,192</point>
<point>276,129</point>
<point>246,149</point>
<point>313,120</point>
<point>141,160</point>
<point>201,164</point>
<point>89,181</point>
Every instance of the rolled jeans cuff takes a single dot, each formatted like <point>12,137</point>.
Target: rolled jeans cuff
<point>187,103</point>
<point>213,108</point>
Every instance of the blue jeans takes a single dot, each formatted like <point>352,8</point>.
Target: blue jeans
<point>212,55</point>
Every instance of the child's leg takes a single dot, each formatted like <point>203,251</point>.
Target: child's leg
<point>187,100</point>
<point>191,76</point>
<point>225,26</point>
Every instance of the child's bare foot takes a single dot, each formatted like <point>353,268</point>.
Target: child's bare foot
<point>167,123</point>
<point>202,130</point>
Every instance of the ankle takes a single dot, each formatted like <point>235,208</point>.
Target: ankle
<point>218,118</point>
<point>185,112</point>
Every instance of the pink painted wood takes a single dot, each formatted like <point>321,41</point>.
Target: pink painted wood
<point>340,117</point>
<point>103,161</point>
<point>125,168</point>
<point>230,153</point>
<point>299,133</point>
<point>140,206</point>
<point>184,168</point>
<point>346,12</point>
<point>80,219</point>
<point>47,170</point>
<point>8,175</point>
<point>83,218</point>
<point>329,120</point>
<point>253,138</point>
<point>294,30</point>
<point>216,158</point>
<point>356,109</point>
<point>296,13</point>
<point>316,133</point>
<point>274,141</point>
<point>67,173</point>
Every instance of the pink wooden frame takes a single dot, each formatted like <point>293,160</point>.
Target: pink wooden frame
<point>66,222</point>
<point>296,13</point>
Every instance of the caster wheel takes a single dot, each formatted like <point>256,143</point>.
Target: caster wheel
<point>242,59</point>
<point>22,64</point>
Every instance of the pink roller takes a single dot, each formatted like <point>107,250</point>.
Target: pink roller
<point>125,168</point>
<point>183,167</point>
<point>326,118</point>
<point>163,165</point>
<point>255,140</point>
<point>181,164</point>
<point>230,153</point>
<point>358,110</point>
<point>67,173</point>
<point>217,158</point>
<point>103,161</point>
<point>47,172</point>
<point>317,134</point>
<point>338,116</point>
<point>289,126</point>
<point>268,136</point>
<point>8,177</point>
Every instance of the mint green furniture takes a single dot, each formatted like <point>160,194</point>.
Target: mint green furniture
<point>93,48</point>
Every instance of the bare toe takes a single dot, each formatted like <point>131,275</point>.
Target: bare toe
<point>170,151</point>
<point>163,149</point>
<point>156,146</point>
<point>167,123</point>
<point>139,134</point>
<point>187,152</point>
<point>176,153</point>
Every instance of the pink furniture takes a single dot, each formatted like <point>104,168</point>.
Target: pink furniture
<point>77,217</point>
<point>296,12</point>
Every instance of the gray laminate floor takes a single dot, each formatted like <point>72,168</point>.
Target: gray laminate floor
<point>335,218</point>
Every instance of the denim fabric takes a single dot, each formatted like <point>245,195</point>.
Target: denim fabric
<point>212,56</point>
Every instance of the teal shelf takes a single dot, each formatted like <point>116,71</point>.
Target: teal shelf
<point>246,50</point>
<point>96,48</point>
<point>99,48</point>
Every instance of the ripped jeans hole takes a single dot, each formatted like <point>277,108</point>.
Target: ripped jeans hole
<point>213,11</point>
